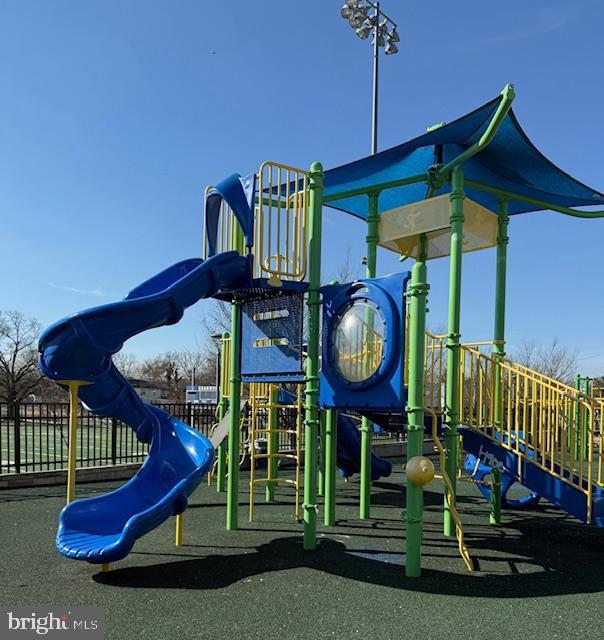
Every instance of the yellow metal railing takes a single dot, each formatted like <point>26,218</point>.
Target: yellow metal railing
<point>280,224</point>
<point>280,229</point>
<point>463,551</point>
<point>539,418</point>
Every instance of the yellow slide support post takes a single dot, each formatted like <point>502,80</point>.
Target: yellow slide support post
<point>74,386</point>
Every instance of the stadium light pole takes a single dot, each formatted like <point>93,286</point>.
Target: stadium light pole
<point>366,18</point>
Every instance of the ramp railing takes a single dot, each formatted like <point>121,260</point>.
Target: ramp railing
<point>538,418</point>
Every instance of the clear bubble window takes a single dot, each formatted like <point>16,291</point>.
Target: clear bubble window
<point>358,341</point>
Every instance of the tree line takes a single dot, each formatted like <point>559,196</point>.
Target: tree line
<point>21,380</point>
<point>170,372</point>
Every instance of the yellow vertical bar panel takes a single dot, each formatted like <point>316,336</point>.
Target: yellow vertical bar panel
<point>73,435</point>
<point>564,435</point>
<point>525,407</point>
<point>290,265</point>
<point>558,436</point>
<point>480,398</point>
<point>601,446</point>
<point>299,448</point>
<point>73,386</point>
<point>581,444</point>
<point>179,530</point>
<point>507,391</point>
<point>471,416</point>
<point>252,431</point>
<point>534,432</point>
<point>279,239</point>
<point>269,234</point>
<point>589,461</point>
<point>461,386</point>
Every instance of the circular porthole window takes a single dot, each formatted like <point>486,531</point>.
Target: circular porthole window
<point>358,341</point>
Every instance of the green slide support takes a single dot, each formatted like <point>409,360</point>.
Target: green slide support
<point>453,342</point>
<point>417,293</point>
<point>311,418</point>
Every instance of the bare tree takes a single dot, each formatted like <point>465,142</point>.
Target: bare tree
<point>127,363</point>
<point>346,271</point>
<point>19,373</point>
<point>552,360</point>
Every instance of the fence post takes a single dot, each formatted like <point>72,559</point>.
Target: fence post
<point>114,441</point>
<point>16,409</point>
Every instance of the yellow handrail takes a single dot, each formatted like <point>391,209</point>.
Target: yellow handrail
<point>540,419</point>
<point>463,551</point>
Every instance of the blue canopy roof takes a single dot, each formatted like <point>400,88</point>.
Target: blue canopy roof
<point>510,162</point>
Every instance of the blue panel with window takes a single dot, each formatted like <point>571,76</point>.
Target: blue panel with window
<point>363,345</point>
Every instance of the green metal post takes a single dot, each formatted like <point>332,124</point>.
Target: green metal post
<point>223,404</point>
<point>273,443</point>
<point>417,293</point>
<point>235,406</point>
<point>311,418</point>
<point>321,485</point>
<point>366,428</point>
<point>331,435</point>
<point>453,341</point>
<point>232,519</point>
<point>495,506</point>
<point>500,290</point>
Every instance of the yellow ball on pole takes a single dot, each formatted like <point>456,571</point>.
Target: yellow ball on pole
<point>420,470</point>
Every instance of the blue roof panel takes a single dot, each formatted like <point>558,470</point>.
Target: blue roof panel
<point>510,162</point>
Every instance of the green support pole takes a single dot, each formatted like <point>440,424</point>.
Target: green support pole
<point>331,435</point>
<point>417,293</point>
<point>366,427</point>
<point>453,341</point>
<point>495,506</point>
<point>273,443</point>
<point>500,291</point>
<point>311,418</point>
<point>235,405</point>
<point>321,486</point>
<point>232,519</point>
<point>223,404</point>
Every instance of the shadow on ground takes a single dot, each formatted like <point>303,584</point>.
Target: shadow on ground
<point>550,572</point>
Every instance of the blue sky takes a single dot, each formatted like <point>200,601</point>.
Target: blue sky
<point>114,115</point>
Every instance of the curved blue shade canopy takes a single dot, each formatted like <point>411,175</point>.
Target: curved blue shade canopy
<point>510,162</point>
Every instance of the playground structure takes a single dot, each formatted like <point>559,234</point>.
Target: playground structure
<point>450,191</point>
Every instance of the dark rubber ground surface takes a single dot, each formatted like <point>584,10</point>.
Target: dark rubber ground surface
<point>539,575</point>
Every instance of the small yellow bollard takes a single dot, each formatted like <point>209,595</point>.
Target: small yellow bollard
<point>105,567</point>
<point>179,530</point>
<point>420,470</point>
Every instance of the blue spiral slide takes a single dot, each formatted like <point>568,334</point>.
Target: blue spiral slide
<point>103,529</point>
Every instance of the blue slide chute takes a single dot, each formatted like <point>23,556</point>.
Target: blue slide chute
<point>103,529</point>
<point>349,451</point>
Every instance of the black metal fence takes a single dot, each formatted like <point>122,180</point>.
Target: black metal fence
<point>35,436</point>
